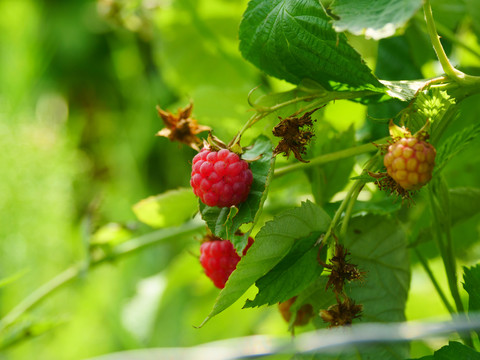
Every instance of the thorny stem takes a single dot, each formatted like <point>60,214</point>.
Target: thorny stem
<point>75,271</point>
<point>437,45</point>
<point>430,274</point>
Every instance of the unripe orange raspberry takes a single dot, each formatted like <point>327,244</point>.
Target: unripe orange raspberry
<point>410,162</point>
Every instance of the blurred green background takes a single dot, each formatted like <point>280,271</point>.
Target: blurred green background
<point>79,82</point>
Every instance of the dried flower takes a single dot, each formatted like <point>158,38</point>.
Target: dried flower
<point>341,314</point>
<point>341,270</point>
<point>182,127</point>
<point>296,133</point>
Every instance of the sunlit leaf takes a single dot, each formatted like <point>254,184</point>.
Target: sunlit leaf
<point>171,208</point>
<point>374,19</point>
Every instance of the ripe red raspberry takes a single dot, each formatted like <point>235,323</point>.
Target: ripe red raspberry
<point>220,178</point>
<point>219,259</point>
<point>410,162</point>
<point>304,314</point>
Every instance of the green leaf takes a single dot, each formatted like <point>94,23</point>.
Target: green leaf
<point>297,270</point>
<point>171,208</point>
<point>453,351</point>
<point>224,222</point>
<point>454,145</point>
<point>272,243</point>
<point>294,40</point>
<point>112,234</point>
<point>374,19</point>
<point>379,247</point>
<point>404,90</point>
<point>471,284</point>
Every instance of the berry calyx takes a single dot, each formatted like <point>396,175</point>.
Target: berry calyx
<point>304,314</point>
<point>220,178</point>
<point>410,161</point>
<point>219,258</point>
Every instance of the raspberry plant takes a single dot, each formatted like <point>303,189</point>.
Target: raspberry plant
<point>330,247</point>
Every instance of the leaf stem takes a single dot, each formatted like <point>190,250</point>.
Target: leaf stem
<point>430,274</point>
<point>130,247</point>
<point>326,158</point>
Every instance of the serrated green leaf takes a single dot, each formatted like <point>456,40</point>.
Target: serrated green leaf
<point>297,270</point>
<point>171,208</point>
<point>272,243</point>
<point>453,351</point>
<point>454,145</point>
<point>294,40</point>
<point>374,19</point>
<point>224,222</point>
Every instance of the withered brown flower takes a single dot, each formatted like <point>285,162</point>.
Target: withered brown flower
<point>341,270</point>
<point>296,133</point>
<point>181,127</point>
<point>342,313</point>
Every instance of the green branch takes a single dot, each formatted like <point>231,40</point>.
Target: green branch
<point>127,248</point>
<point>326,158</point>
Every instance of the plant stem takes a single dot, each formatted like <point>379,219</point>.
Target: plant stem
<point>356,188</point>
<point>349,199</point>
<point>73,272</point>
<point>437,45</point>
<point>430,274</point>
<point>323,159</point>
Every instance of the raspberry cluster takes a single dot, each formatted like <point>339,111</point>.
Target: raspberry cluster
<point>219,258</point>
<point>220,178</point>
<point>410,162</point>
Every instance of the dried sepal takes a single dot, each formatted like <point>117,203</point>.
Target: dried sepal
<point>181,127</point>
<point>296,133</point>
<point>341,314</point>
<point>386,183</point>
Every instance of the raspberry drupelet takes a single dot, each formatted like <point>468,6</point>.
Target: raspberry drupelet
<point>410,162</point>
<point>219,259</point>
<point>220,178</point>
